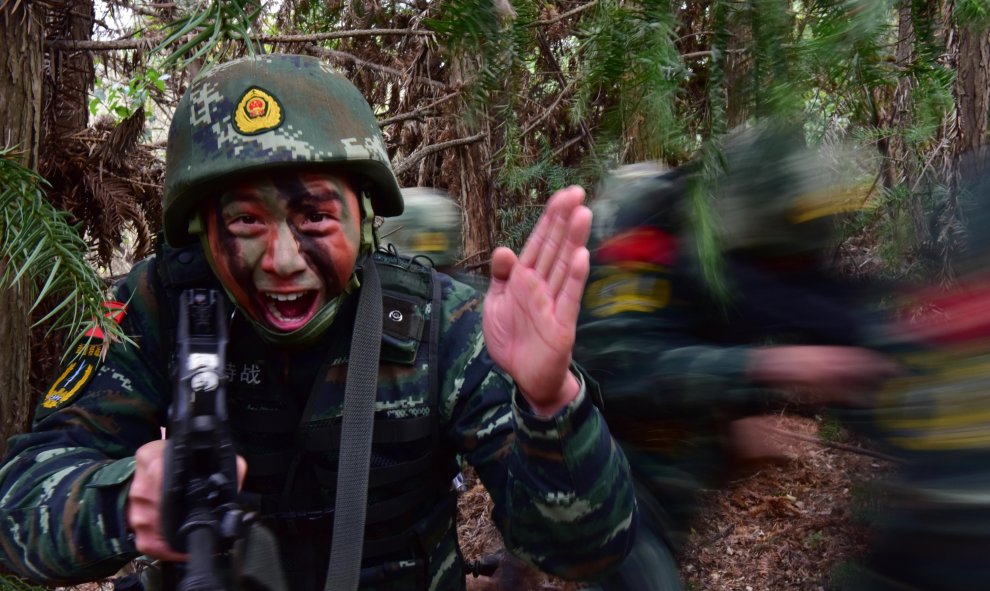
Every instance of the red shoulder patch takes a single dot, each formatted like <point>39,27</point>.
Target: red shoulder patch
<point>115,311</point>
<point>640,245</point>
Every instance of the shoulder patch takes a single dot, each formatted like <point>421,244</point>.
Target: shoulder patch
<point>114,311</point>
<point>78,372</point>
<point>84,361</point>
<point>257,112</point>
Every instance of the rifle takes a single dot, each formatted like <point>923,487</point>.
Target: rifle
<point>200,513</point>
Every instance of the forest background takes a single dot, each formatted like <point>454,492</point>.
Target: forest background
<point>498,102</point>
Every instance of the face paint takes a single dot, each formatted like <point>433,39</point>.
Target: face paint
<point>284,245</point>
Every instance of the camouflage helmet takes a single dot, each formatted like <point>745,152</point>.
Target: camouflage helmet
<point>644,194</point>
<point>776,195</point>
<point>264,112</point>
<point>430,226</point>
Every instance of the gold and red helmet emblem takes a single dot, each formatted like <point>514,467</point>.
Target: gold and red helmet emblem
<point>257,112</point>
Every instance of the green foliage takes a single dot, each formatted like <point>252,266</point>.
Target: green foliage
<point>203,33</point>
<point>123,100</point>
<point>43,253</point>
<point>629,55</point>
<point>972,13</point>
<point>772,86</point>
<point>12,583</point>
<point>831,429</point>
<point>710,162</point>
<point>485,41</point>
<point>845,50</point>
<point>517,222</point>
<point>814,539</point>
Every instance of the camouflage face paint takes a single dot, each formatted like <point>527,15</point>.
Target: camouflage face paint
<point>285,244</point>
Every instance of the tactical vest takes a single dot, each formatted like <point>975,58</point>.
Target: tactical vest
<point>285,405</point>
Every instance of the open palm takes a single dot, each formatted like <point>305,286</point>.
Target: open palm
<point>532,304</point>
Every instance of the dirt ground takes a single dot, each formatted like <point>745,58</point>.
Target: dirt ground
<point>790,524</point>
<point>791,521</point>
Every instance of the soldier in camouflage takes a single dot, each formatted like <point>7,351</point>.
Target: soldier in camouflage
<point>676,365</point>
<point>429,227</point>
<point>275,169</point>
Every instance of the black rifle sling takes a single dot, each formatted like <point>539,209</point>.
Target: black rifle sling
<point>357,423</point>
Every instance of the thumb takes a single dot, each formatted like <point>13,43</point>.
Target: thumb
<point>503,260</point>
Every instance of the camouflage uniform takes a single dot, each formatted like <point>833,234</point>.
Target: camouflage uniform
<point>562,495</point>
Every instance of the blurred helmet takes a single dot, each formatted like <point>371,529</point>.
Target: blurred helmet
<point>264,112</point>
<point>777,196</point>
<point>644,194</point>
<point>430,226</point>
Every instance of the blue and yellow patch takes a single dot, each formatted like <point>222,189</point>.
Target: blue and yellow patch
<point>76,374</point>
<point>635,288</point>
<point>85,361</point>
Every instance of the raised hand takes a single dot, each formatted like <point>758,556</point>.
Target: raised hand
<point>532,304</point>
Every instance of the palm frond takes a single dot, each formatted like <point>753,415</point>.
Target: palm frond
<point>202,33</point>
<point>45,254</point>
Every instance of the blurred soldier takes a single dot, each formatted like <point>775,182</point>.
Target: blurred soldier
<point>677,365</point>
<point>931,529</point>
<point>430,227</point>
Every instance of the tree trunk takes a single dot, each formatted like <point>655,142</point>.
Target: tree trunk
<point>70,76</point>
<point>901,157</point>
<point>972,88</point>
<point>21,41</point>
<point>67,83</point>
<point>969,49</point>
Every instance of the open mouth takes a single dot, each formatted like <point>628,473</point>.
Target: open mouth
<point>288,311</point>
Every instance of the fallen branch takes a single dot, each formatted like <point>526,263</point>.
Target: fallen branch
<point>832,444</point>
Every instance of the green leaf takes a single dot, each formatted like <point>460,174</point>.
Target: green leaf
<point>44,253</point>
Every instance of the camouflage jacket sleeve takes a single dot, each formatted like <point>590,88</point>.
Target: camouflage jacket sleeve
<point>63,485</point>
<point>561,487</point>
<point>649,342</point>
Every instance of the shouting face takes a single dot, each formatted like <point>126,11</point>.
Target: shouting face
<point>285,244</point>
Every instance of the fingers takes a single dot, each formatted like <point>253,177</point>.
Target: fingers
<point>503,259</point>
<point>241,471</point>
<point>572,289</point>
<point>578,229</point>
<point>144,503</point>
<point>548,235</point>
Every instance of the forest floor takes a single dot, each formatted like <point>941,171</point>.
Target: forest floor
<point>791,524</point>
